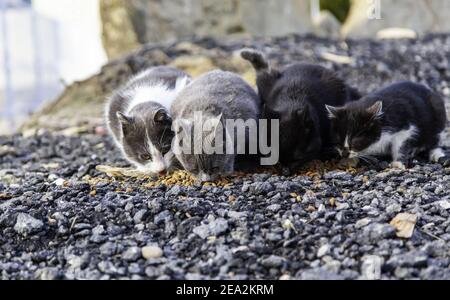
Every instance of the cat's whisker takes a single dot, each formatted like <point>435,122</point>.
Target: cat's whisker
<point>368,159</point>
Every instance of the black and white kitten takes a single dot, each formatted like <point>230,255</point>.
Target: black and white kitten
<point>213,98</point>
<point>138,117</point>
<point>401,120</point>
<point>296,95</point>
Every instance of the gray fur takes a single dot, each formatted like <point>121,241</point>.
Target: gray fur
<point>215,94</point>
<point>147,122</point>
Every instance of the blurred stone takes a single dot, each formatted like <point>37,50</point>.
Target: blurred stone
<point>158,21</point>
<point>366,18</point>
<point>396,33</point>
<point>26,224</point>
<point>194,65</point>
<point>269,18</point>
<point>119,36</point>
<point>327,25</point>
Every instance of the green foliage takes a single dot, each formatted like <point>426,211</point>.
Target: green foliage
<point>339,8</point>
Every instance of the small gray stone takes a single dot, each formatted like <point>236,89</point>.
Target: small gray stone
<point>342,206</point>
<point>176,190</point>
<point>77,262</point>
<point>237,215</point>
<point>108,249</point>
<point>214,228</point>
<point>98,230</point>
<point>132,254</point>
<point>444,204</point>
<point>202,231</point>
<point>323,250</point>
<point>319,274</point>
<point>163,217</point>
<point>412,259</point>
<point>393,208</point>
<point>376,232</point>
<point>26,224</point>
<point>274,208</point>
<point>98,234</point>
<point>152,272</point>
<point>272,261</point>
<point>48,274</point>
<point>262,188</point>
<point>107,267</point>
<point>139,216</point>
<point>218,226</point>
<point>362,223</point>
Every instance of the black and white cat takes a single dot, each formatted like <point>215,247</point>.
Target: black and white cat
<point>401,120</point>
<point>296,95</point>
<point>138,117</point>
<point>215,98</point>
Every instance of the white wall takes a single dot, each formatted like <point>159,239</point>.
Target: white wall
<point>56,42</point>
<point>81,49</point>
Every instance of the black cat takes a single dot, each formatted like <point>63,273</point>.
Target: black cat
<point>296,95</point>
<point>402,121</point>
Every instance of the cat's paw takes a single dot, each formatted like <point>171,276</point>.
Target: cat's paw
<point>398,165</point>
<point>444,161</point>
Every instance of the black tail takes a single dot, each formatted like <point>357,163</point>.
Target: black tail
<point>256,58</point>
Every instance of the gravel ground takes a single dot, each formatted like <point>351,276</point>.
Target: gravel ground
<point>62,219</point>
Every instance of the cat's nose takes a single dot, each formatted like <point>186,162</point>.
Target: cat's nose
<point>162,173</point>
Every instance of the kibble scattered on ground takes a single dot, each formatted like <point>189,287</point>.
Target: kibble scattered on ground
<point>63,217</point>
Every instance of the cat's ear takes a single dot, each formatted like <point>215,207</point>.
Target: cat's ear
<point>376,110</point>
<point>332,111</point>
<point>126,122</point>
<point>162,117</point>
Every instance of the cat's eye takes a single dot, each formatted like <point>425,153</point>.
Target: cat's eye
<point>145,157</point>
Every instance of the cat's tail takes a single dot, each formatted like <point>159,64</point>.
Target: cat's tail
<point>256,58</point>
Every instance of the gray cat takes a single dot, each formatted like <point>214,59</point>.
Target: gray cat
<point>218,96</point>
<point>138,117</point>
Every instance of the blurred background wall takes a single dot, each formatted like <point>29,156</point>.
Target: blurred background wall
<point>46,45</point>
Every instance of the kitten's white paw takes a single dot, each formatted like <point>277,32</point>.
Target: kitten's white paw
<point>398,165</point>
